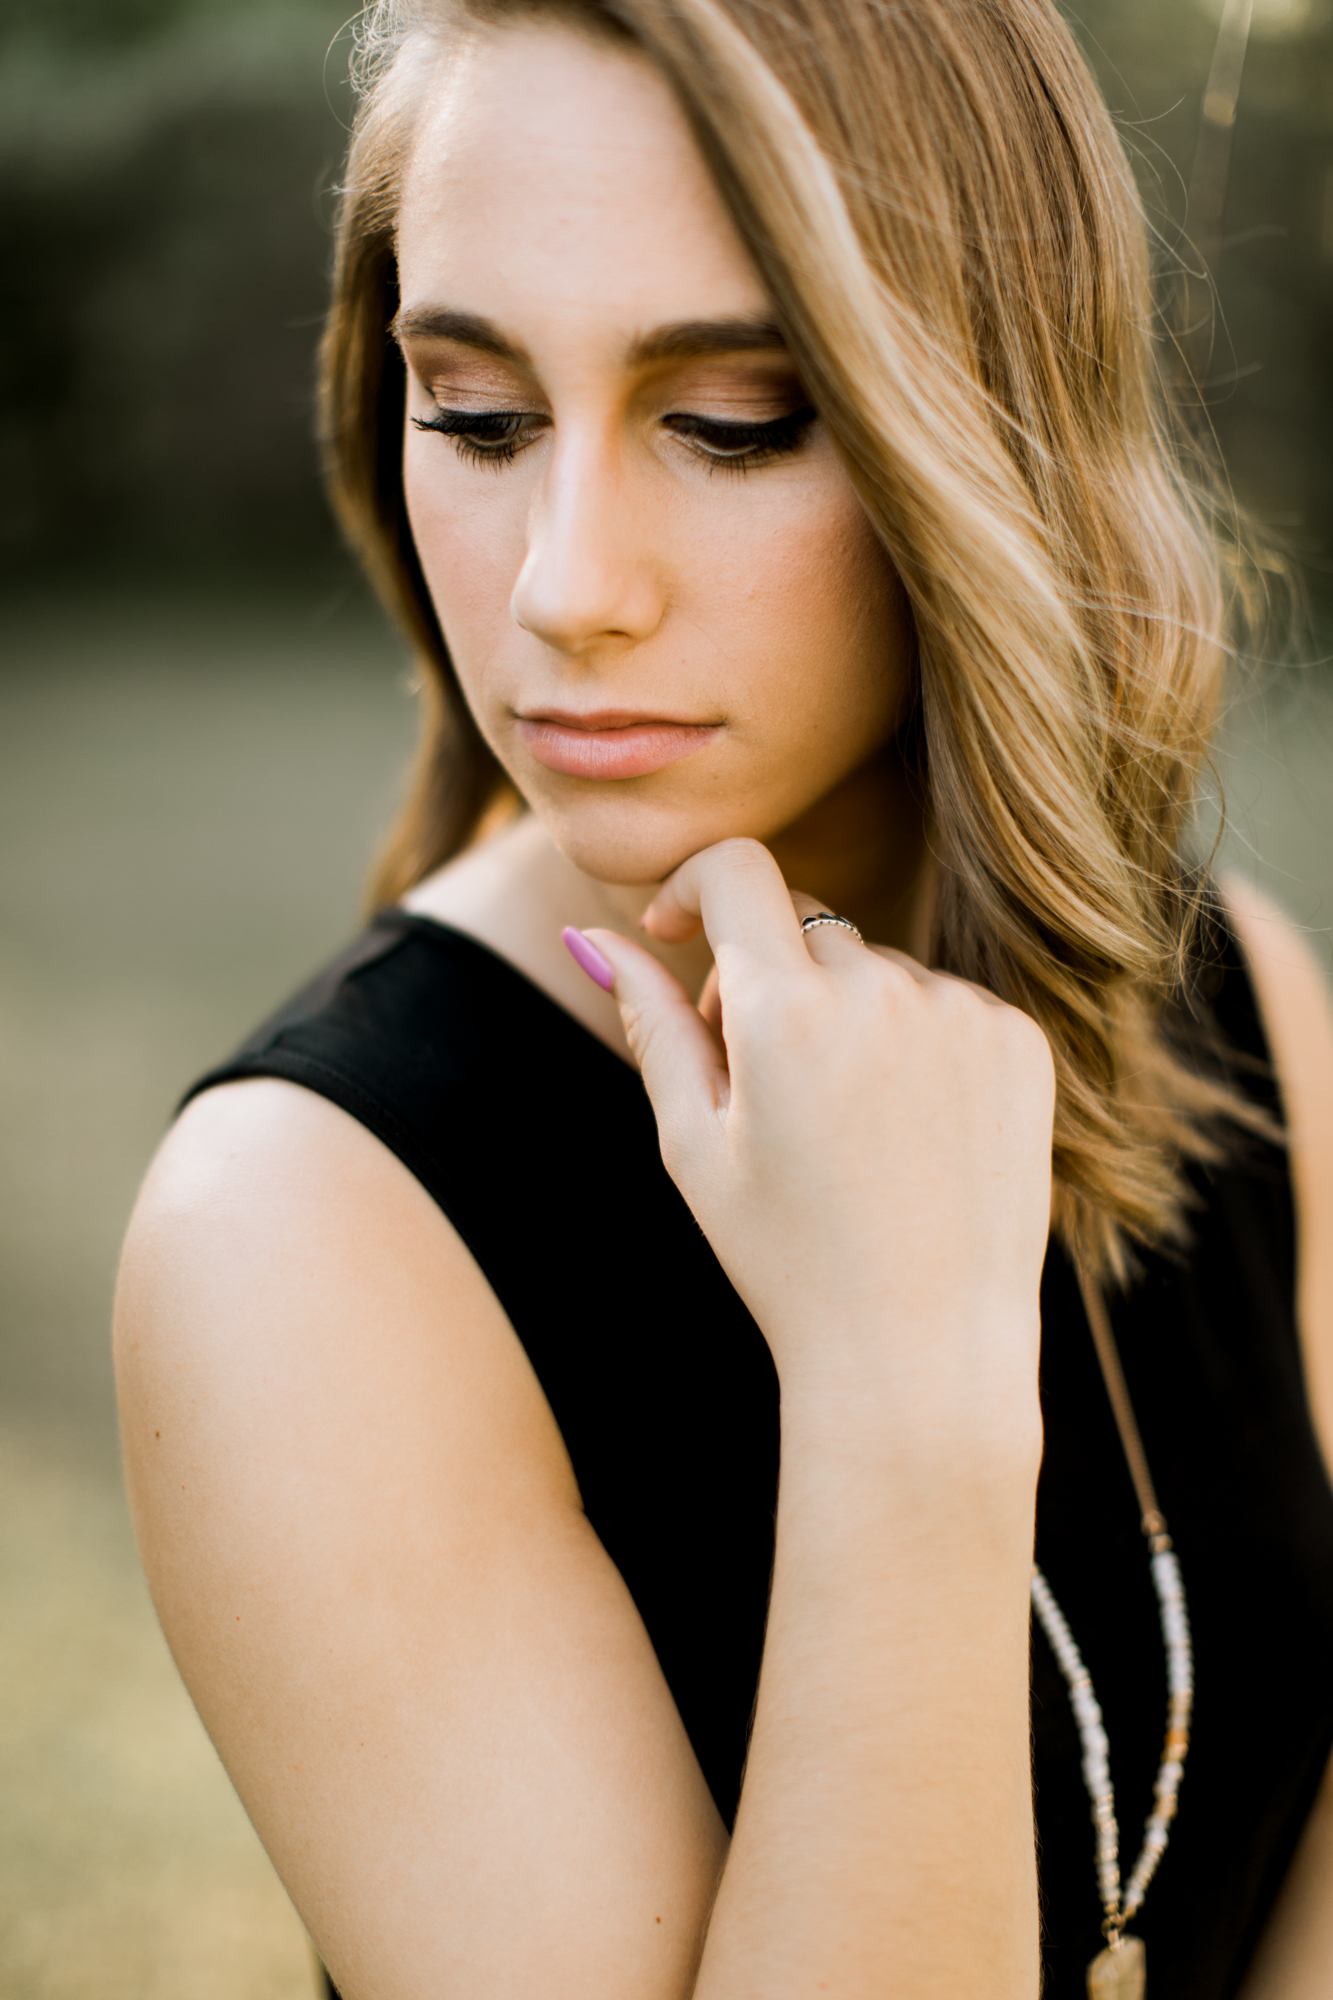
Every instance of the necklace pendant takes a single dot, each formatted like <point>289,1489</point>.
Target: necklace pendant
<point>1119,1972</point>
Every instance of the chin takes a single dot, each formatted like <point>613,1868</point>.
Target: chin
<point>637,843</point>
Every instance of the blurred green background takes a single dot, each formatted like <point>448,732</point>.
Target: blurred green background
<point>203,726</point>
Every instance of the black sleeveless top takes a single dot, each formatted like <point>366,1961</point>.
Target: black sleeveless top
<point>539,1145</point>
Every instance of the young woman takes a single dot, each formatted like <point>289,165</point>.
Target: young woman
<point>751,413</point>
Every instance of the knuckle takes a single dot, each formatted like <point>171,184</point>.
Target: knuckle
<point>884,976</point>
<point>959,1001</point>
<point>1025,1053</point>
<point>1026,1036</point>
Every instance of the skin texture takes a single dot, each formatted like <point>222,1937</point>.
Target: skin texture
<point>363,1532</point>
<point>614,565</point>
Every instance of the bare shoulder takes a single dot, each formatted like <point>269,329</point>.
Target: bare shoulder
<point>309,1364</point>
<point>365,1542</point>
<point>1294,1002</point>
<point>295,1315</point>
<point>261,1170</point>
<point>276,1233</point>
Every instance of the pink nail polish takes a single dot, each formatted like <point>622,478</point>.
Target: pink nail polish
<point>584,953</point>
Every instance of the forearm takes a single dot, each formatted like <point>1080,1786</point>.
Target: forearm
<point>885,1838</point>
<point>1295,1956</point>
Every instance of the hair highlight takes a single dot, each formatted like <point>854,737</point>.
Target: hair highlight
<point>965,286</point>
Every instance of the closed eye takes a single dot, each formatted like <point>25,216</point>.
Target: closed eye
<point>741,445</point>
<point>495,437</point>
<point>486,437</point>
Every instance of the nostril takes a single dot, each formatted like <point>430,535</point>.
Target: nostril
<point>574,608</point>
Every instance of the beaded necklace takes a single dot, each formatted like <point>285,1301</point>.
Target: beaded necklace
<point>1120,1971</point>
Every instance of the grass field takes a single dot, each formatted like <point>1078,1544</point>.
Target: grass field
<point>189,791</point>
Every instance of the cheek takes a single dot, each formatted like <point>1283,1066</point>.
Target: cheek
<point>469,532</point>
<point>781,604</point>
<point>823,620</point>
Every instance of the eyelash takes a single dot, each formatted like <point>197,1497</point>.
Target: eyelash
<point>484,437</point>
<point>750,444</point>
<point>494,437</point>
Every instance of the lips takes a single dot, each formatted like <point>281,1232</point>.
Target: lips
<point>610,745</point>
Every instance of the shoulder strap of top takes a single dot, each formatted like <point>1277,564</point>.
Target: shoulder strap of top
<point>422,1033</point>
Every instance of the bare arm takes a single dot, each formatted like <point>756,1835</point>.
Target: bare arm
<point>422,1671</point>
<point>1295,1959</point>
<point>364,1538</point>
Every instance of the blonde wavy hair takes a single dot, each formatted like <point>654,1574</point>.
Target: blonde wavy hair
<point>937,200</point>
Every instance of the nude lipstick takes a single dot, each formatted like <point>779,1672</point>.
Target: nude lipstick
<point>609,743</point>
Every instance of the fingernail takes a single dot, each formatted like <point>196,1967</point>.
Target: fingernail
<point>584,953</point>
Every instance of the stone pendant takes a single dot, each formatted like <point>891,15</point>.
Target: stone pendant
<point>1120,1974</point>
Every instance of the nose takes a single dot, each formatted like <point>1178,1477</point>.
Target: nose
<point>590,574</point>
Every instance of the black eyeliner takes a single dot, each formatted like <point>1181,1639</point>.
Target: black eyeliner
<point>494,437</point>
<point>739,443</point>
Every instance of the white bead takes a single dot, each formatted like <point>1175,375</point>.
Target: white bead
<point>1096,1744</point>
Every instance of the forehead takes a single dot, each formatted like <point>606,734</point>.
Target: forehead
<point>553,168</point>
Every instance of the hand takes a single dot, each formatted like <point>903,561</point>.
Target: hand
<point>866,1144</point>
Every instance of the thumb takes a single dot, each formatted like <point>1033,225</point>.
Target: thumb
<point>683,1067</point>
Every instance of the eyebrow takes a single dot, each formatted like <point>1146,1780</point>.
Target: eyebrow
<point>685,340</point>
<point>689,338</point>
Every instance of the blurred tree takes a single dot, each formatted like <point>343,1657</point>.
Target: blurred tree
<point>165,167</point>
<point>163,249</point>
<point>1277,292</point>
<point>1266,361</point>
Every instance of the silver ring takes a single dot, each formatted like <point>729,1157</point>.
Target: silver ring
<point>827,917</point>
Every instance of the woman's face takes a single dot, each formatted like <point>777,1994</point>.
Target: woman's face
<point>665,603</point>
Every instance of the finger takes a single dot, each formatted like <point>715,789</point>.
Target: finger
<point>736,890</point>
<point>827,944</point>
<point>710,1003</point>
<point>683,1067</point>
